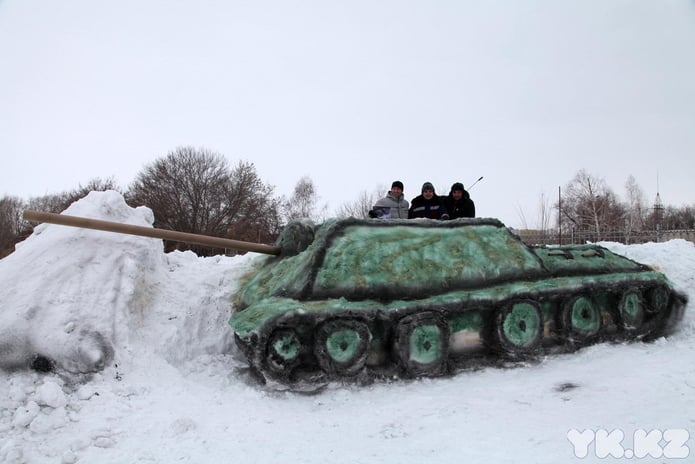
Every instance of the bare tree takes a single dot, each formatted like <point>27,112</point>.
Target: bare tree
<point>544,213</point>
<point>361,206</point>
<point>12,227</point>
<point>545,208</point>
<point>254,211</point>
<point>58,202</point>
<point>194,191</point>
<point>52,203</point>
<point>185,190</point>
<point>686,217</point>
<point>590,205</point>
<point>304,202</point>
<point>674,218</point>
<point>636,207</point>
<point>521,216</point>
<point>93,185</point>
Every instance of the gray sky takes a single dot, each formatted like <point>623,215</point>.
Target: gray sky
<point>355,94</point>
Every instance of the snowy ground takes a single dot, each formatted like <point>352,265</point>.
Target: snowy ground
<point>173,388</point>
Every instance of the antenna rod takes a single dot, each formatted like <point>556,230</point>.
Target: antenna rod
<point>471,186</point>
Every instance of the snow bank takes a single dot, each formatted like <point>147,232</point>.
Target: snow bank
<point>84,298</point>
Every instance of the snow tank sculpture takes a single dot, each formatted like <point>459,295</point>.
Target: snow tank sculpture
<point>358,298</point>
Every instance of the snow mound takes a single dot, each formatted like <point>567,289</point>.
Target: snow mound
<point>77,299</point>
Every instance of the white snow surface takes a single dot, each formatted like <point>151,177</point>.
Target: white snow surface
<point>147,371</point>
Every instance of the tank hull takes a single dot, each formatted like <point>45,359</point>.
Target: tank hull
<point>472,325</point>
<point>342,318</point>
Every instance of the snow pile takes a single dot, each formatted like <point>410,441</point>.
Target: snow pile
<point>79,296</point>
<point>172,388</point>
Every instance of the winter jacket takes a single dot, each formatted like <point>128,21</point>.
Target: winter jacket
<point>463,208</point>
<point>431,209</point>
<point>399,206</point>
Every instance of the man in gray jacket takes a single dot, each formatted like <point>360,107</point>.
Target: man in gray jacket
<point>393,205</point>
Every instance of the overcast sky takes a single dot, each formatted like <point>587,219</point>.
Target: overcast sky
<point>355,94</point>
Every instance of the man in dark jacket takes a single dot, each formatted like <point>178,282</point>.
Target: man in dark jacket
<point>459,203</point>
<point>427,205</point>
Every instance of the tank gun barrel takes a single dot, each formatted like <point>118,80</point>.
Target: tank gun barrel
<point>109,226</point>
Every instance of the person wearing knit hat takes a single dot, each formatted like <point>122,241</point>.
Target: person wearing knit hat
<point>459,203</point>
<point>427,186</point>
<point>393,205</point>
<point>428,205</point>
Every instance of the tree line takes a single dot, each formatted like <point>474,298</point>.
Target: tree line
<point>589,207</point>
<point>197,191</point>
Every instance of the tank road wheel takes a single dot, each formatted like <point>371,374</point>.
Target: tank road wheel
<point>645,313</point>
<point>342,345</point>
<point>632,310</point>
<point>581,319</point>
<point>422,344</point>
<point>283,351</point>
<point>519,327</point>
<point>658,300</point>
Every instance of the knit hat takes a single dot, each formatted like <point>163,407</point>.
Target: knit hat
<point>457,187</point>
<point>397,184</point>
<point>427,186</point>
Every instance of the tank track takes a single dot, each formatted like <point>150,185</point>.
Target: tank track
<point>421,341</point>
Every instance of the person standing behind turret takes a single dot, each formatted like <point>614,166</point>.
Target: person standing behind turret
<point>428,204</point>
<point>459,203</point>
<point>393,205</point>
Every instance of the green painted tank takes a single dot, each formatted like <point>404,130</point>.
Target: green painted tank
<point>363,298</point>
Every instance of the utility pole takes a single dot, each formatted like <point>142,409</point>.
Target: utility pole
<point>559,215</point>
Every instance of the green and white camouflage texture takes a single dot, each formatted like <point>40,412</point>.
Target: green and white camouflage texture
<point>358,299</point>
